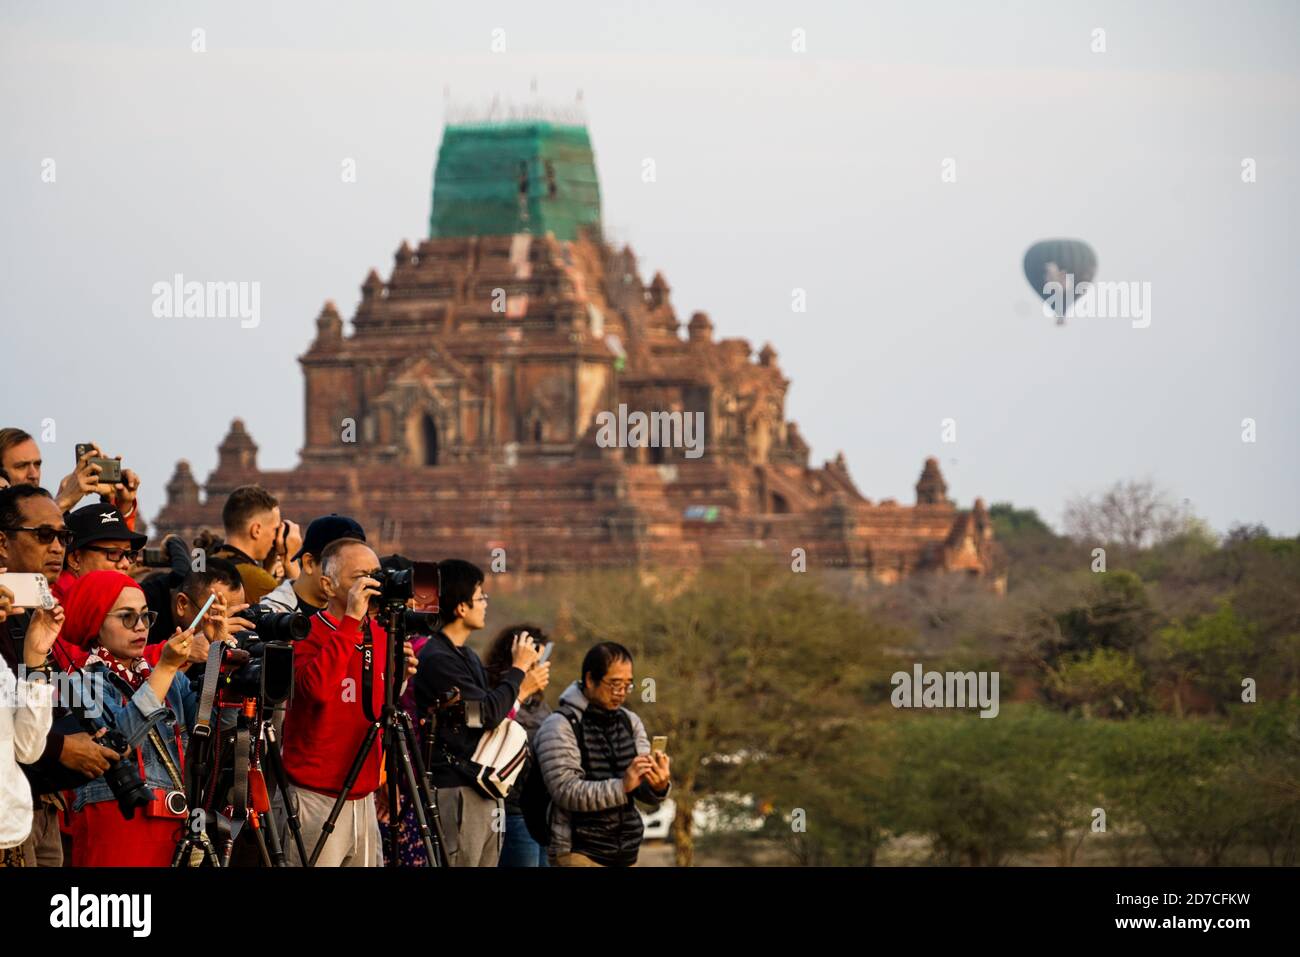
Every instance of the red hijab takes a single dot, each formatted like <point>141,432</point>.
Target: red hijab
<point>91,599</point>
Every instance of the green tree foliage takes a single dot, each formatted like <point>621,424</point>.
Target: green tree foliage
<point>1212,652</point>
<point>1189,787</point>
<point>752,669</point>
<point>1117,616</point>
<point>985,789</point>
<point>1101,683</point>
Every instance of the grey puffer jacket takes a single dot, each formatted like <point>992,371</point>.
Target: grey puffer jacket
<point>560,761</point>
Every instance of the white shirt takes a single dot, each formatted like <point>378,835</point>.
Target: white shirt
<point>26,712</point>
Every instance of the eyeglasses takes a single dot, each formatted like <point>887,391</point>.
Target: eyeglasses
<point>131,618</point>
<point>115,555</point>
<point>481,598</point>
<point>45,534</point>
<point>618,686</point>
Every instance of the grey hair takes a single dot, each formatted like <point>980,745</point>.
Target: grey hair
<point>332,556</point>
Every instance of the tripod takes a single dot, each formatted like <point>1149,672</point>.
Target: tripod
<point>403,765</point>
<point>254,740</point>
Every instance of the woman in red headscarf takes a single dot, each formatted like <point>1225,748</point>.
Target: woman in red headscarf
<point>107,617</point>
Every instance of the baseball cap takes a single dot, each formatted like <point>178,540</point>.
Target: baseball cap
<point>100,523</point>
<point>326,529</point>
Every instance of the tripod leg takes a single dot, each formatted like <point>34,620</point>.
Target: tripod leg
<point>278,858</point>
<point>181,857</point>
<point>423,795</point>
<point>394,803</point>
<point>209,850</point>
<point>412,785</point>
<point>353,773</point>
<point>256,823</point>
<point>286,792</point>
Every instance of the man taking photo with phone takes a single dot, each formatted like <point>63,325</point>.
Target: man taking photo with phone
<point>473,822</point>
<point>594,780</point>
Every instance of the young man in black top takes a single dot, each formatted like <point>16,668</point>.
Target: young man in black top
<point>474,823</point>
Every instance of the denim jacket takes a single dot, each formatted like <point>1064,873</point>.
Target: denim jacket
<point>128,715</point>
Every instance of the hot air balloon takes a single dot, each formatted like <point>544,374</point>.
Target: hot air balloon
<point>1060,270</point>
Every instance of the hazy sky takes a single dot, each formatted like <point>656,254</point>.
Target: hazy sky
<point>776,170</point>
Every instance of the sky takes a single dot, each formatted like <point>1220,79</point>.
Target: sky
<point>893,161</point>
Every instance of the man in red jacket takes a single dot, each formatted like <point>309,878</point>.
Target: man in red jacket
<point>326,722</point>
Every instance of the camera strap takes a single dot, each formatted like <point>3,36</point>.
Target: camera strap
<point>239,787</point>
<point>173,772</point>
<point>367,671</point>
<point>153,736</point>
<point>211,677</point>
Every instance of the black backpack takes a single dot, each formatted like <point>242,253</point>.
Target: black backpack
<point>535,800</point>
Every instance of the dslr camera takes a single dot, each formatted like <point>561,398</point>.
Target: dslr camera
<point>396,585</point>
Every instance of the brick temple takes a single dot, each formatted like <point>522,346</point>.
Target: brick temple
<point>459,413</point>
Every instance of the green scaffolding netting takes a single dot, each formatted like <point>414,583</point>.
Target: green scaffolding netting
<point>515,177</point>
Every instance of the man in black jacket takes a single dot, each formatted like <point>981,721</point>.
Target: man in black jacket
<point>474,823</point>
<point>34,538</point>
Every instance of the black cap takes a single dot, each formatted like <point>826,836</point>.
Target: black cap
<point>326,529</point>
<point>100,523</point>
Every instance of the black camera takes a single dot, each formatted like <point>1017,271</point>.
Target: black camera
<point>272,625</point>
<point>123,776</point>
<point>264,671</point>
<point>396,585</point>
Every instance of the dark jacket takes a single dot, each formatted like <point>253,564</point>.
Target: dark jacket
<point>47,775</point>
<point>443,667</point>
<point>591,813</point>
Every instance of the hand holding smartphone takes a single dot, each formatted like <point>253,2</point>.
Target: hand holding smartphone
<point>30,589</point>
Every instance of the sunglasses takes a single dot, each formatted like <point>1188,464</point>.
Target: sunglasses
<point>45,535</point>
<point>131,618</point>
<point>115,555</point>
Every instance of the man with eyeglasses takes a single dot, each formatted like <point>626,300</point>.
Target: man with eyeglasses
<point>595,758</point>
<point>477,821</point>
<point>34,538</point>
<point>100,540</point>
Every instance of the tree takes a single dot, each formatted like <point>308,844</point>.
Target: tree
<point>1134,514</point>
<point>747,668</point>
<point>1117,615</point>
<point>1211,651</point>
<point>1102,683</point>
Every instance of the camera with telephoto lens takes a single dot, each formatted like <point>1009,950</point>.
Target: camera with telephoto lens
<point>272,625</point>
<point>396,585</point>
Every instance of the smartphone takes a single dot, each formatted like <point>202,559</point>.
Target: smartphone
<point>110,470</point>
<point>202,611</point>
<point>31,589</point>
<point>659,743</point>
<point>546,652</point>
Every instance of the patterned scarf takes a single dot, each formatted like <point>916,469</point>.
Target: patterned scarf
<point>135,675</point>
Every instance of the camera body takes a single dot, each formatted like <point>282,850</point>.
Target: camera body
<point>123,777</point>
<point>259,669</point>
<point>396,585</point>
